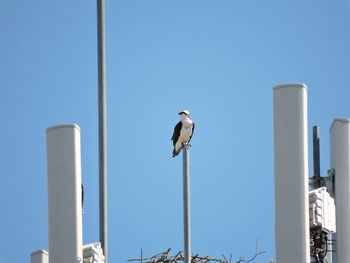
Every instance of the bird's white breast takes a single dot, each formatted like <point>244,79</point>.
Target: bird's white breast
<point>185,133</point>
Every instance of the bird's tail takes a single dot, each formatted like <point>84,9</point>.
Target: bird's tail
<point>176,152</point>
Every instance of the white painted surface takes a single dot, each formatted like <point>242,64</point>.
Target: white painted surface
<point>322,210</point>
<point>340,162</point>
<point>291,174</point>
<point>64,193</point>
<point>93,253</point>
<point>39,256</point>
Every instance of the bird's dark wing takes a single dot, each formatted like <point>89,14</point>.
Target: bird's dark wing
<point>192,132</point>
<point>176,134</point>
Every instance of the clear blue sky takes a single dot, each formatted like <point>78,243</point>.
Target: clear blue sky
<point>218,59</point>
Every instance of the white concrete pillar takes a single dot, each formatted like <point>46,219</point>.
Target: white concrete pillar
<point>291,173</point>
<point>340,162</point>
<point>64,193</point>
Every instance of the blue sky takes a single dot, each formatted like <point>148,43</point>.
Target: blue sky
<point>218,59</point>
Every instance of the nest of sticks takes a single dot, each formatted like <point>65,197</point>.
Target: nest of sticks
<point>166,257</point>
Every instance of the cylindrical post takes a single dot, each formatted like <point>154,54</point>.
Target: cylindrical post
<point>186,200</point>
<point>64,194</point>
<point>291,173</point>
<point>39,256</point>
<point>102,127</point>
<point>316,155</point>
<point>340,162</point>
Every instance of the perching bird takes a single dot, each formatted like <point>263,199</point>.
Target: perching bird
<point>183,132</point>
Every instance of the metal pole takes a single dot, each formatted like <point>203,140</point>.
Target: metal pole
<point>102,127</point>
<point>316,154</point>
<point>186,199</point>
<point>316,142</point>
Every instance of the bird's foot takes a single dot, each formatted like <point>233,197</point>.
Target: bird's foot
<point>187,145</point>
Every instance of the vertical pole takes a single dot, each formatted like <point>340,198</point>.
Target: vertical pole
<point>291,173</point>
<point>340,162</point>
<point>64,194</point>
<point>186,199</point>
<point>102,127</point>
<point>316,151</point>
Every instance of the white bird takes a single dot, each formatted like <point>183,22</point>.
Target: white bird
<point>183,132</point>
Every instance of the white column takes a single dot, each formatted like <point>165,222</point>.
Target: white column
<point>340,162</point>
<point>39,256</point>
<point>64,193</point>
<point>291,173</point>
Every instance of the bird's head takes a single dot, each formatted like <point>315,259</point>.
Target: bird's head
<point>184,113</point>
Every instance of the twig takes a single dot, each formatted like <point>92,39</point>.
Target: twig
<point>250,260</point>
<point>256,253</point>
<point>174,259</point>
<point>164,257</point>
